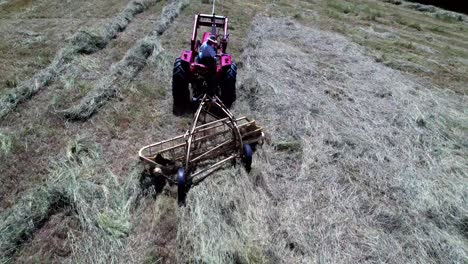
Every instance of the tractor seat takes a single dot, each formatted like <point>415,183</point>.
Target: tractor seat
<point>203,68</point>
<point>199,66</point>
<point>207,61</point>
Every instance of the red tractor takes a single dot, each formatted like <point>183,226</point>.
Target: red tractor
<point>188,69</point>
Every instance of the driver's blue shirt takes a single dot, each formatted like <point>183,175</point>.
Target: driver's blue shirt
<point>206,51</point>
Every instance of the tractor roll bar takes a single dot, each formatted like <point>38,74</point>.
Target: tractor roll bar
<point>205,20</point>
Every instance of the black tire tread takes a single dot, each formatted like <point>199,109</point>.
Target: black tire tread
<point>228,92</point>
<point>180,90</point>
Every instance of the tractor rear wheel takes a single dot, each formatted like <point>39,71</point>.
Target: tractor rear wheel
<point>228,91</point>
<point>180,87</point>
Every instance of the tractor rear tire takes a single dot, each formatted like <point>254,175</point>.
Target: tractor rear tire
<point>228,92</point>
<point>180,87</point>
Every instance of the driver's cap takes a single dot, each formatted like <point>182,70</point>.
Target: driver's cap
<point>212,39</point>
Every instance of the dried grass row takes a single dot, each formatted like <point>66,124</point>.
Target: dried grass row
<point>78,180</point>
<point>126,69</point>
<point>82,42</point>
<point>380,175</point>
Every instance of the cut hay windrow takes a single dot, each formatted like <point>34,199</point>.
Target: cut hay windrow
<point>5,144</point>
<point>82,42</point>
<point>19,222</point>
<point>102,205</point>
<point>126,69</point>
<point>367,164</point>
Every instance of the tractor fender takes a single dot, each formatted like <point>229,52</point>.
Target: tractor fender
<point>186,55</point>
<point>225,60</point>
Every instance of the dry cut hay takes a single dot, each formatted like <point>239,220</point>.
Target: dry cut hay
<point>126,69</point>
<point>78,180</point>
<point>379,176</point>
<point>82,42</point>
<point>225,222</point>
<point>19,222</point>
<point>5,144</point>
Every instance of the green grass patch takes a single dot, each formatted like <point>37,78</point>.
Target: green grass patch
<point>333,14</point>
<point>342,7</point>
<point>5,144</point>
<point>83,88</point>
<point>297,16</point>
<point>436,29</point>
<point>449,18</point>
<point>288,146</point>
<point>4,47</point>
<point>415,26</point>
<point>11,82</point>
<point>372,15</point>
<point>405,45</point>
<point>15,6</point>
<point>402,49</point>
<point>405,21</point>
<point>146,89</point>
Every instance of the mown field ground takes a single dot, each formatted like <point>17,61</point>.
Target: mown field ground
<point>364,103</point>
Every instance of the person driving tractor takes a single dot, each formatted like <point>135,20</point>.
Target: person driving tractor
<point>207,50</point>
<point>207,57</point>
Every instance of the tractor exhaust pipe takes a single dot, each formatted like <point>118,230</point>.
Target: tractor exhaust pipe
<point>213,27</point>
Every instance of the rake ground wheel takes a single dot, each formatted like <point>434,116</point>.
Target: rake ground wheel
<point>181,186</point>
<point>247,157</point>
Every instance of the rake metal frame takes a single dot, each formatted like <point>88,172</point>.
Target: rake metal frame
<point>222,138</point>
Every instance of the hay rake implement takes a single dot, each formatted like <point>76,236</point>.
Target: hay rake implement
<point>215,136</point>
<point>214,139</point>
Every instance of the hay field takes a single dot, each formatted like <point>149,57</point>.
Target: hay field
<point>364,104</point>
<point>35,30</point>
<point>372,174</point>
